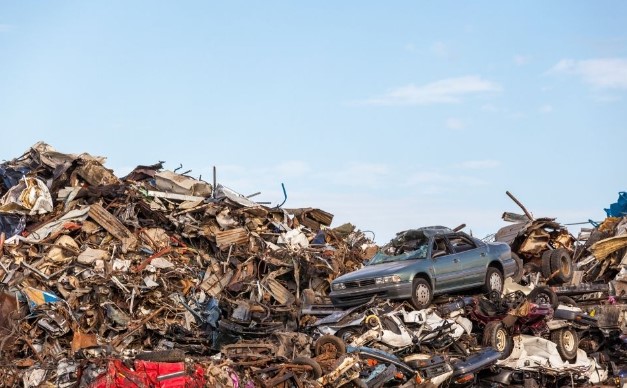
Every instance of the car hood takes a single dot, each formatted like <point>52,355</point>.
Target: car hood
<point>377,270</point>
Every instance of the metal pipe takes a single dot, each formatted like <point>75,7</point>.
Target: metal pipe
<point>213,192</point>
<point>284,196</point>
<point>520,204</point>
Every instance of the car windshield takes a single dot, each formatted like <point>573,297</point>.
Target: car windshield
<point>405,246</point>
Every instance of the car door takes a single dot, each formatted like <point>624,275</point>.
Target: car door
<point>446,265</point>
<point>472,256</point>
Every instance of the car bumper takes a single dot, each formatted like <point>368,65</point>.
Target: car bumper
<point>356,296</point>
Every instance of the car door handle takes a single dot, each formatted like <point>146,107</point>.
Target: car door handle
<point>483,254</point>
<point>455,260</point>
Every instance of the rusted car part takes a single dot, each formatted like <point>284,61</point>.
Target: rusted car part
<point>292,373</point>
<point>268,368</point>
<point>503,318</point>
<point>542,244</point>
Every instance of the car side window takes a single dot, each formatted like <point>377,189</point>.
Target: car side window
<point>440,248</point>
<point>462,243</point>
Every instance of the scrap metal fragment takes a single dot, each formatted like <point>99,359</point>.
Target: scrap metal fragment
<point>54,227</point>
<point>231,236</point>
<point>83,340</point>
<point>174,196</point>
<point>96,174</point>
<point>113,226</point>
<point>215,278</point>
<point>278,292</point>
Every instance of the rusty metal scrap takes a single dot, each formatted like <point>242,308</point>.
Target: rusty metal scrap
<point>147,262</point>
<point>106,278</point>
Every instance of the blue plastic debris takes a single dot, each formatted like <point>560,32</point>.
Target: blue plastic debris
<point>618,208</point>
<point>12,224</point>
<point>37,297</point>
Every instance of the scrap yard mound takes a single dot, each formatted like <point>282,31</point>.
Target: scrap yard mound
<point>159,279</point>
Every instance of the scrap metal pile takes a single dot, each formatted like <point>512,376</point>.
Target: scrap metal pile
<point>158,279</point>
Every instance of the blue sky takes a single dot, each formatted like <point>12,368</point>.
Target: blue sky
<point>388,115</point>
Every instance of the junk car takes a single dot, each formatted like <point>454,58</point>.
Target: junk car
<point>420,263</point>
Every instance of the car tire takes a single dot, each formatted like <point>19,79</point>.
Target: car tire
<point>496,335</point>
<point>567,341</point>
<point>316,370</point>
<point>517,276</point>
<point>543,295</point>
<point>567,301</point>
<point>422,294</point>
<point>329,344</point>
<point>546,264</point>
<point>563,264</point>
<point>493,280</point>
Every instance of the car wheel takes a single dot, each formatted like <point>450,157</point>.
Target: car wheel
<point>567,342</point>
<point>563,264</point>
<point>519,268</point>
<point>422,295</point>
<point>497,336</point>
<point>493,280</point>
<point>329,344</point>
<point>546,264</point>
<point>543,295</point>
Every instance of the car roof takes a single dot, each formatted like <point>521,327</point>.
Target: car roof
<point>427,231</point>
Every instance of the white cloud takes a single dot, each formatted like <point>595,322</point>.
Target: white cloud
<point>521,60</point>
<point>479,164</point>
<point>5,27</point>
<point>546,108</point>
<point>449,90</point>
<point>610,73</point>
<point>454,123</point>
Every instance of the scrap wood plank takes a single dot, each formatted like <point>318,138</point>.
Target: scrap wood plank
<point>113,226</point>
<point>603,248</point>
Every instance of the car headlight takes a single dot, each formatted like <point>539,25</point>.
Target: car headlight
<point>387,279</point>
<point>338,286</point>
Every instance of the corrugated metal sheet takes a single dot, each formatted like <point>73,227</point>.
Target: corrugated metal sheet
<point>231,236</point>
